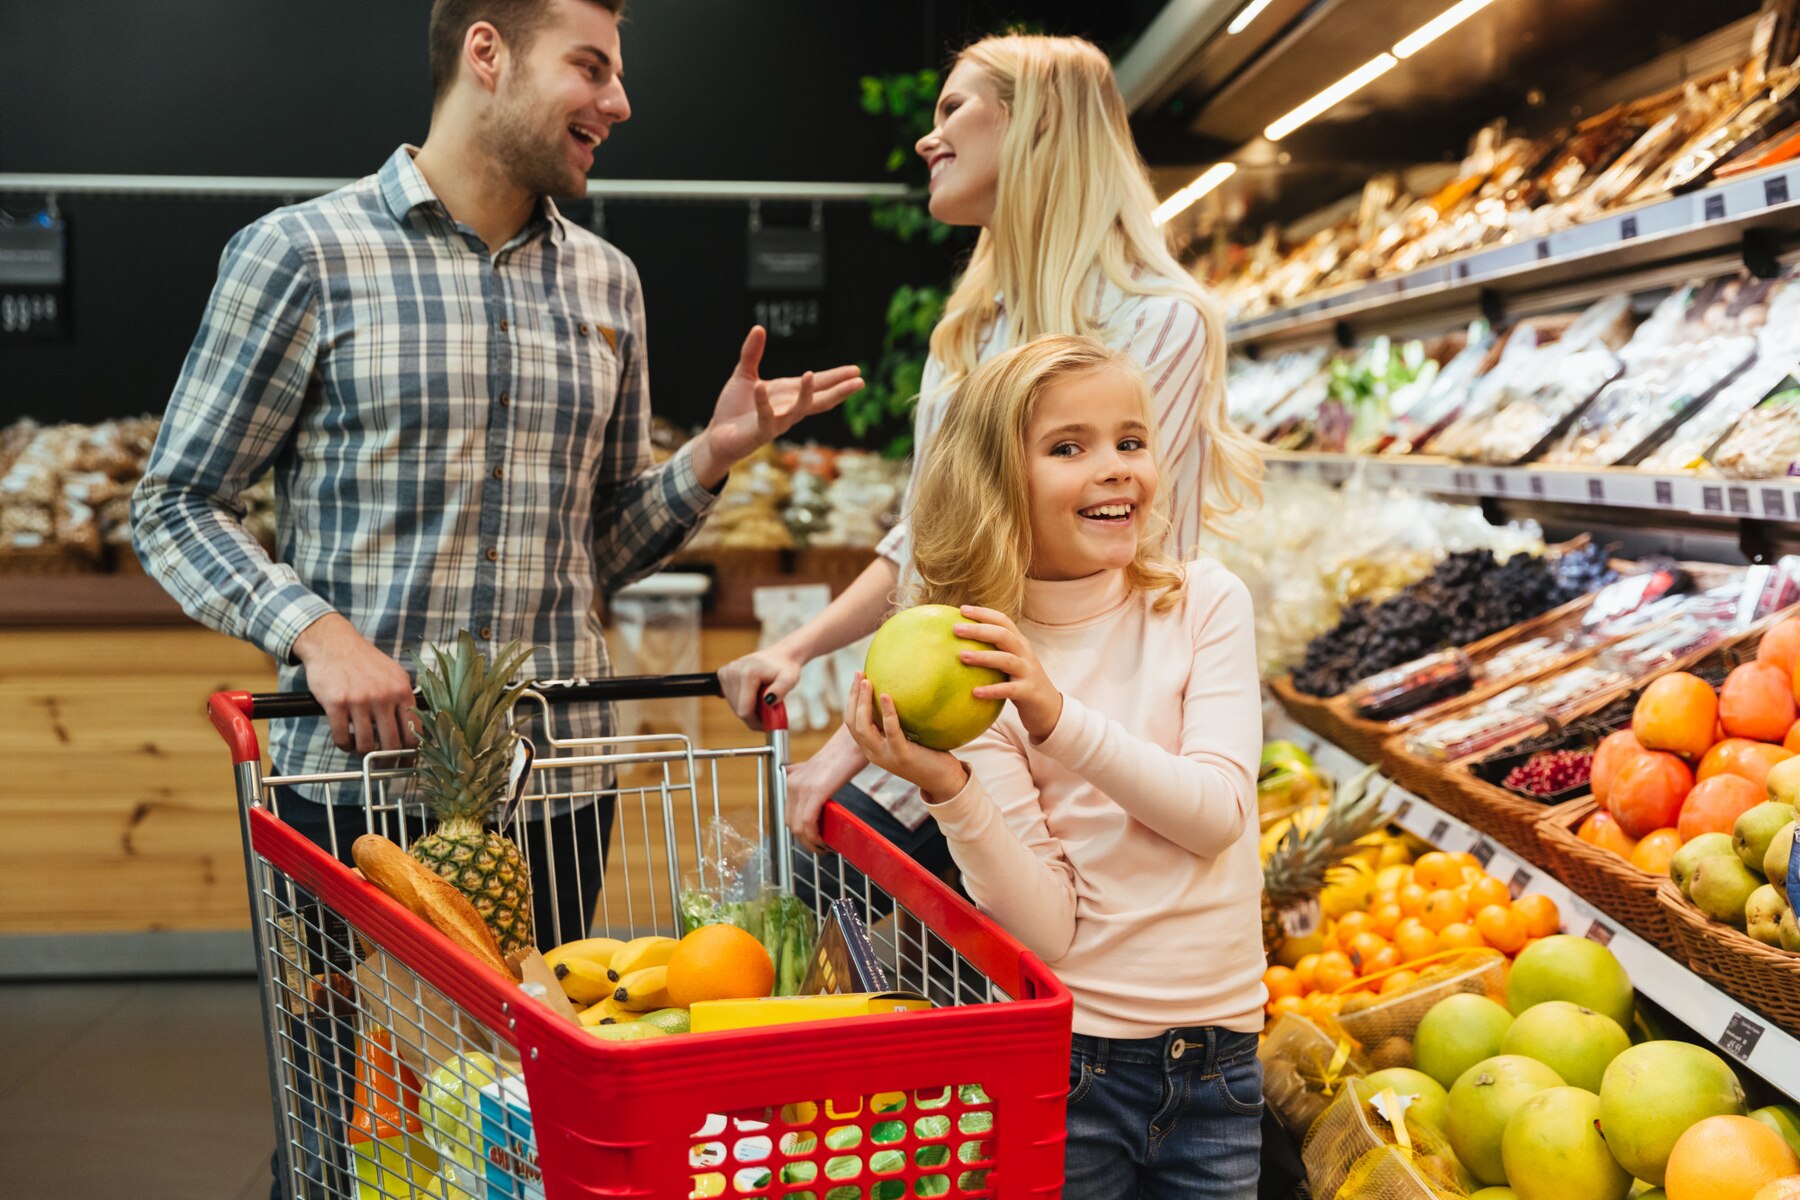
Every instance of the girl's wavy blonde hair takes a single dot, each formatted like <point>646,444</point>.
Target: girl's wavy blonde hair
<point>1074,197</point>
<point>971,509</point>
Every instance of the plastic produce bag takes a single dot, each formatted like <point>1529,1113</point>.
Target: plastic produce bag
<point>1304,1068</point>
<point>730,888</point>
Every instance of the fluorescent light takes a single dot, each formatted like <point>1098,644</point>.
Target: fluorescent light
<point>1355,81</point>
<point>1437,27</point>
<point>1246,14</point>
<point>1211,178</point>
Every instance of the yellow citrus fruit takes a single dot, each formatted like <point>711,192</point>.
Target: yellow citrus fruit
<point>915,658</point>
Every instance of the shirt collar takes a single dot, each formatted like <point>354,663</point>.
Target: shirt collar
<point>404,188</point>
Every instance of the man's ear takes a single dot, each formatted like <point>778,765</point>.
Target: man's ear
<point>484,54</point>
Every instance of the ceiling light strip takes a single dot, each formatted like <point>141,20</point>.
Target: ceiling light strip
<point>1247,14</point>
<point>1211,178</point>
<point>1437,27</point>
<point>1348,86</point>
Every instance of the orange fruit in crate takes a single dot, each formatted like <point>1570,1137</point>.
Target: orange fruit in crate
<point>1715,805</point>
<point>1288,1004</point>
<point>1351,924</point>
<point>1541,916</point>
<point>1648,791</point>
<point>1459,936</point>
<point>1383,959</point>
<point>1442,908</point>
<point>1614,751</point>
<point>1602,829</point>
<point>1792,741</point>
<point>1679,713</point>
<point>719,962</point>
<point>1656,850</point>
<point>1436,870</point>
<point>1741,756</point>
<point>1501,928</point>
<point>1780,646</point>
<point>1281,981</point>
<point>1399,981</point>
<point>1756,701</point>
<point>1362,950</point>
<point>1466,859</point>
<point>1488,891</point>
<point>1385,919</point>
<point>1334,971</point>
<point>1414,939</point>
<point>1727,1158</point>
<point>1411,899</point>
<point>1306,970</point>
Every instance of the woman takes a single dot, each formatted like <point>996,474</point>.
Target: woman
<point>1032,145</point>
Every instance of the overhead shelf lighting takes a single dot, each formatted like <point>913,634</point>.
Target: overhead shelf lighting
<point>1437,27</point>
<point>1211,178</point>
<point>1348,86</point>
<point>1247,14</point>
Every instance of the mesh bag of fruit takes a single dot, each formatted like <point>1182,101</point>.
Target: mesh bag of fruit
<point>1304,1068</point>
<point>1382,1026</point>
<point>1365,1147</point>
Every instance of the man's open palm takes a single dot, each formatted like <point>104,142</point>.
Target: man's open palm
<point>753,411</point>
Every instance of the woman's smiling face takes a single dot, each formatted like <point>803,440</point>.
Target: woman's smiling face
<point>963,149</point>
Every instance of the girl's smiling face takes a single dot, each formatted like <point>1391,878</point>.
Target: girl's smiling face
<point>1091,475</point>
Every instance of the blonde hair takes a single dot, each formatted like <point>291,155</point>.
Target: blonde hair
<point>971,509</point>
<point>1074,195</point>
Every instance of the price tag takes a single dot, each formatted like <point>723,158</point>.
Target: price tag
<point>1597,491</point>
<point>1715,208</point>
<point>1404,807</point>
<point>1483,850</point>
<point>1543,249</point>
<point>1436,837</point>
<point>1774,503</point>
<point>1628,228</point>
<point>1600,932</point>
<point>1521,879</point>
<point>1537,485</point>
<point>1499,483</point>
<point>1665,493</point>
<point>1462,270</point>
<point>1740,500</point>
<point>1740,1037</point>
<point>1712,499</point>
<point>1775,190</point>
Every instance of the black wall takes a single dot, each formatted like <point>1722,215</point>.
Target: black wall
<point>720,89</point>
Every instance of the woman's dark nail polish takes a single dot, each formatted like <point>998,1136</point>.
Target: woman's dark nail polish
<point>769,699</point>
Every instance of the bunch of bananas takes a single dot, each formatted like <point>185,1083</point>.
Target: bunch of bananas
<point>614,980</point>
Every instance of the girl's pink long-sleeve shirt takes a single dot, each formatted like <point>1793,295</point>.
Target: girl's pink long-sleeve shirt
<point>1122,848</point>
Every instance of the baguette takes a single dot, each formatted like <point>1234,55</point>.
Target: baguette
<point>431,898</point>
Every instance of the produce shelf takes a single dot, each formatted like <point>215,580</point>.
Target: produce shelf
<point>1709,221</point>
<point>1605,487</point>
<point>1743,1034</point>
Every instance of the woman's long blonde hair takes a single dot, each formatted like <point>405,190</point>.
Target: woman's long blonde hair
<point>971,509</point>
<point>1074,196</point>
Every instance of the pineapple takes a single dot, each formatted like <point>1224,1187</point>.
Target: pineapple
<point>465,759</point>
<point>1295,871</point>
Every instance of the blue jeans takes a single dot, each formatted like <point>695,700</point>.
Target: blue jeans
<point>1178,1115</point>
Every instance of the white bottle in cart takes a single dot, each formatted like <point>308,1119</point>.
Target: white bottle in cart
<point>510,1142</point>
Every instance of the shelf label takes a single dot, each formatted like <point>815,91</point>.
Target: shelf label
<point>1462,270</point>
<point>1715,208</point>
<point>1537,485</point>
<point>1521,879</point>
<point>1740,500</point>
<point>1499,482</point>
<point>1597,491</point>
<point>1774,503</point>
<point>1628,228</point>
<point>1600,931</point>
<point>1712,499</point>
<point>1543,247</point>
<point>1740,1037</point>
<point>1302,918</point>
<point>1665,493</point>
<point>1404,807</point>
<point>1483,850</point>
<point>1436,836</point>
<point>1775,190</point>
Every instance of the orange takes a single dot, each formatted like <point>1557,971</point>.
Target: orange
<point>1385,919</point>
<point>1443,908</point>
<point>1792,741</point>
<point>1467,859</point>
<point>1781,645</point>
<point>1383,959</point>
<point>1411,899</point>
<point>1413,939</point>
<point>1715,805</point>
<point>1306,971</point>
<point>719,962</point>
<point>1727,1158</point>
<point>1501,928</point>
<point>1334,971</point>
<point>1656,850</point>
<point>1281,981</point>
<point>1399,981</point>
<point>1602,830</point>
<point>1740,756</point>
<point>1679,713</point>
<point>1382,897</point>
<point>1288,1004</point>
<point>1437,870</point>
<point>1756,701</point>
<point>1614,751</point>
<point>1363,948</point>
<point>1459,936</point>
<point>1488,891</point>
<point>1351,924</point>
<point>1541,917</point>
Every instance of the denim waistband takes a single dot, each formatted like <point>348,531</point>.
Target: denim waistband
<point>1201,1045</point>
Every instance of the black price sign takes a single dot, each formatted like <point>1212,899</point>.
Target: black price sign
<point>1597,490</point>
<point>794,319</point>
<point>1600,932</point>
<point>1715,208</point>
<point>1438,831</point>
<point>1628,228</point>
<point>1521,879</point>
<point>1665,493</point>
<point>1740,1037</point>
<point>34,295</point>
<point>1462,270</point>
<point>1543,249</point>
<point>1499,483</point>
<point>1740,500</point>
<point>1775,190</point>
<point>1483,850</point>
<point>1537,485</point>
<point>1405,807</point>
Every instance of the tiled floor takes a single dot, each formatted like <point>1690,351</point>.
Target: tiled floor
<point>148,1090</point>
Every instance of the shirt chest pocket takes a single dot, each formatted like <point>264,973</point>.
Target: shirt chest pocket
<point>571,373</point>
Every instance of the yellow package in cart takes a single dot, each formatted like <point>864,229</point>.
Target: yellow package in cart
<point>708,1015</point>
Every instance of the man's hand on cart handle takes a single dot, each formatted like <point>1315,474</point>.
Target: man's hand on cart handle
<point>367,696</point>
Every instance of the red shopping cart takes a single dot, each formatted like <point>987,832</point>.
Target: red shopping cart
<point>400,1067</point>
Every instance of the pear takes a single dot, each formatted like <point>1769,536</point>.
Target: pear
<point>1756,829</point>
<point>1783,781</point>
<point>1722,887</point>
<point>1762,914</point>
<point>1689,857</point>
<point>1790,932</point>
<point>1775,859</point>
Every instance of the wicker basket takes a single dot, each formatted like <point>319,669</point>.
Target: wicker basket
<point>1765,977</point>
<point>1509,819</point>
<point>1316,713</point>
<point>1624,893</point>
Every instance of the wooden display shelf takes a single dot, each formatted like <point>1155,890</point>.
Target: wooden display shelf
<point>94,600</point>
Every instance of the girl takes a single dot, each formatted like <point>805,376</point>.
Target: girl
<point>1107,819</point>
<point>1032,144</point>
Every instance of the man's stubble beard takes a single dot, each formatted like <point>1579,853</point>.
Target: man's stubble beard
<point>521,149</point>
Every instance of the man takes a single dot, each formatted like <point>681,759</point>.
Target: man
<point>450,381</point>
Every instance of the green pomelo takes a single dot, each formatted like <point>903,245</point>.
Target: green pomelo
<point>915,658</point>
<point>1431,1103</point>
<point>1552,1149</point>
<point>1457,1033</point>
<point>1565,967</point>
<point>1652,1093</point>
<point>1575,1042</point>
<point>1783,1119</point>
<point>1483,1101</point>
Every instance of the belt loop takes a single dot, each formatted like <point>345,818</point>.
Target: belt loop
<point>1100,1048</point>
<point>1212,1048</point>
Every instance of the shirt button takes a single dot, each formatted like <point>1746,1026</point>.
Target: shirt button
<point>493,554</point>
<point>499,472</point>
<point>487,633</point>
<point>502,324</point>
<point>583,328</point>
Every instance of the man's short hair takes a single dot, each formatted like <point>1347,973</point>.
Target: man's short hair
<point>517,20</point>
